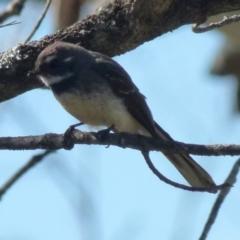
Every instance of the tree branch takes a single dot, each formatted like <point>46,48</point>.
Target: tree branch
<point>48,3</point>
<point>52,141</point>
<point>226,21</point>
<point>32,162</point>
<point>118,27</point>
<point>14,8</point>
<point>231,179</point>
<point>9,24</point>
<point>212,189</point>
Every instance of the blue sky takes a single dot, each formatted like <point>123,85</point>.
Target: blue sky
<point>93,192</point>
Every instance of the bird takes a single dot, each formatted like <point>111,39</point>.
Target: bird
<point>97,91</point>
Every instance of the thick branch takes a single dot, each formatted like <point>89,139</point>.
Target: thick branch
<point>54,141</point>
<point>118,27</point>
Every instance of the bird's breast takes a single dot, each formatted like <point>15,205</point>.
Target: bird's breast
<point>100,109</point>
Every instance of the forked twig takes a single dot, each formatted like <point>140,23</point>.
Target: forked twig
<point>9,24</point>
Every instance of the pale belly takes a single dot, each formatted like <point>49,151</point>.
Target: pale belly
<point>102,111</point>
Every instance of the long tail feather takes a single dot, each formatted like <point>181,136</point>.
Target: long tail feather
<point>195,175</point>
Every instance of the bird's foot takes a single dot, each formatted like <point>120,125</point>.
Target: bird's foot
<point>68,136</point>
<point>102,134</point>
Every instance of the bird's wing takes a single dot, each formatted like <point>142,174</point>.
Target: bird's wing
<point>123,87</point>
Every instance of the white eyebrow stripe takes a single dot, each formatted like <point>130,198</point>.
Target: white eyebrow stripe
<point>69,59</point>
<point>49,58</point>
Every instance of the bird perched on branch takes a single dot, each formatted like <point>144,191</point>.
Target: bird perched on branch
<point>97,91</point>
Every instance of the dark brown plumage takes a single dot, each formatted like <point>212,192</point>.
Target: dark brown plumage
<point>98,91</point>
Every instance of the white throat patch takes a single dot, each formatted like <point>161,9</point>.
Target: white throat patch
<point>52,79</point>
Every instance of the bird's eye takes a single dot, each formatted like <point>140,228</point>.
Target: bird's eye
<point>50,63</point>
<point>54,64</point>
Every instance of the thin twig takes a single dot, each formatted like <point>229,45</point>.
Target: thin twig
<point>9,24</point>
<point>34,160</point>
<point>231,179</point>
<point>39,21</point>
<point>226,21</point>
<point>13,8</point>
<point>178,185</point>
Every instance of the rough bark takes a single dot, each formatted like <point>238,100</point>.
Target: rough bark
<point>53,141</point>
<point>118,27</point>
